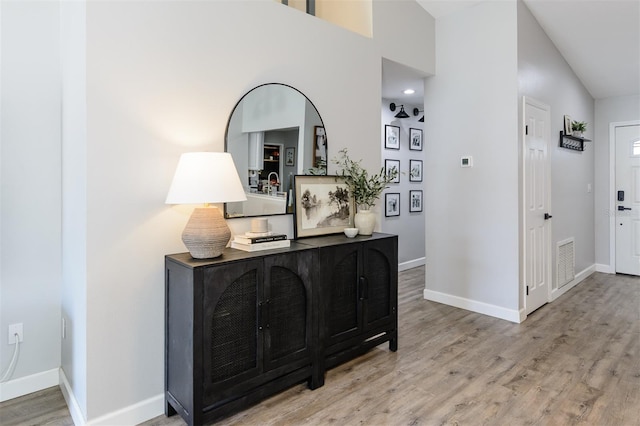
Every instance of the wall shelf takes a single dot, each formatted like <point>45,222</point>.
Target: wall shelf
<point>572,142</point>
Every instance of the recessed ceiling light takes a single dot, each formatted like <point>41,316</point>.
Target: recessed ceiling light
<point>409,92</point>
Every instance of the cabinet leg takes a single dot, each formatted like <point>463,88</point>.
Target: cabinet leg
<point>168,409</point>
<point>316,381</point>
<point>393,344</point>
<point>317,376</point>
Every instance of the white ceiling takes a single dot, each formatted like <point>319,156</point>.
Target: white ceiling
<point>600,39</point>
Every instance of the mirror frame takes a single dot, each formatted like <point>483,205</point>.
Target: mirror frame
<point>226,140</point>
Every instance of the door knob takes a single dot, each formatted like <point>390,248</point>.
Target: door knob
<point>621,208</point>
<point>547,216</point>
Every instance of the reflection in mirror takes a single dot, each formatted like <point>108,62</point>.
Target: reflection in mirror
<point>274,132</point>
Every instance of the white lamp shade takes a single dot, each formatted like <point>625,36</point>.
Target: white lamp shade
<point>205,177</point>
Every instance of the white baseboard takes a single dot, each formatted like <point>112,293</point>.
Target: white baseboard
<point>607,269</point>
<point>523,315</point>
<point>473,305</point>
<point>410,264</point>
<point>77,415</point>
<point>29,384</point>
<point>132,415</point>
<point>580,276</point>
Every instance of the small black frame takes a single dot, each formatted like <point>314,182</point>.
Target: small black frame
<point>415,139</point>
<point>415,170</point>
<point>415,200</point>
<point>391,136</point>
<point>392,204</point>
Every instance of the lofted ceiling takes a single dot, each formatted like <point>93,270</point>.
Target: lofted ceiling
<point>599,39</point>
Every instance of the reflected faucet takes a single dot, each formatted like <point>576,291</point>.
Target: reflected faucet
<point>270,187</point>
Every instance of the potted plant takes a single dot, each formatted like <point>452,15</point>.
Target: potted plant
<point>366,189</point>
<point>578,128</point>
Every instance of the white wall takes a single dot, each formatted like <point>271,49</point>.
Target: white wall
<point>405,33</point>
<point>30,191</point>
<point>162,78</point>
<point>472,213</point>
<point>74,205</point>
<point>608,110</point>
<point>410,227</point>
<point>142,82</point>
<point>544,75</point>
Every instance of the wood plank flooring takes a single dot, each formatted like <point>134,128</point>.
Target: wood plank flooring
<point>573,362</point>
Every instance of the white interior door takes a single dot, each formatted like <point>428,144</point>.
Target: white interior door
<point>627,195</point>
<point>537,226</point>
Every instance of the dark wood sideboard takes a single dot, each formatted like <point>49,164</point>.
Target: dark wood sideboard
<point>244,326</point>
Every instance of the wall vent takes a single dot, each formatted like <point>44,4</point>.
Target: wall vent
<point>565,262</point>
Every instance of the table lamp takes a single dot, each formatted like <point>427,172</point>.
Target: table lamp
<point>203,178</point>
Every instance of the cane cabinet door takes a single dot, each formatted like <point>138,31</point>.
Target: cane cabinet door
<point>380,281</point>
<point>233,349</point>
<point>340,277</point>
<point>286,309</point>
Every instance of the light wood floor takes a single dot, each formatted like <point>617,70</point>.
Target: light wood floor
<point>573,362</point>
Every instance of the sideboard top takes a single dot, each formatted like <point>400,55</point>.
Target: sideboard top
<point>233,255</point>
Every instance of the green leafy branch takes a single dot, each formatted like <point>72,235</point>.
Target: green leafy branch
<point>366,189</point>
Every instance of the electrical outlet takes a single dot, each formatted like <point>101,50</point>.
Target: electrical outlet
<point>13,330</point>
<point>64,328</point>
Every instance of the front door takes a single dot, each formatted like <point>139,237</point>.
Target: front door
<point>627,196</point>
<point>537,226</point>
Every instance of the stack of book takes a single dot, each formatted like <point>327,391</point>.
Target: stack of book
<point>256,241</point>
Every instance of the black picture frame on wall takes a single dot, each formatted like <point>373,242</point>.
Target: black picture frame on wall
<point>415,201</point>
<point>415,139</point>
<point>389,165</point>
<point>415,170</point>
<point>392,204</point>
<point>290,156</point>
<point>391,136</point>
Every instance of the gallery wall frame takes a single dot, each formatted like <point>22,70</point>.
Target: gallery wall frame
<point>391,204</point>
<point>391,136</point>
<point>415,170</point>
<point>415,200</point>
<point>415,139</point>
<point>389,165</point>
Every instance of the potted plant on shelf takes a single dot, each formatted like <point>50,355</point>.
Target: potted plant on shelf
<point>366,189</point>
<point>578,128</point>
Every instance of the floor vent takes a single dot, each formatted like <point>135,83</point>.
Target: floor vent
<point>565,262</point>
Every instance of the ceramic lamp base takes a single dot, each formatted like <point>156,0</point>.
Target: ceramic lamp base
<point>206,234</point>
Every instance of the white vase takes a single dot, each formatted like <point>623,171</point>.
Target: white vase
<point>365,221</point>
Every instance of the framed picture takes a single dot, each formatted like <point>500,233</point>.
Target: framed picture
<point>290,156</point>
<point>415,170</point>
<point>320,149</point>
<point>391,136</point>
<point>389,165</point>
<point>415,139</point>
<point>567,125</point>
<point>415,201</point>
<point>391,204</point>
<point>323,205</point>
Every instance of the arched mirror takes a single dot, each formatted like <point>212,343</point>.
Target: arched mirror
<point>274,132</point>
